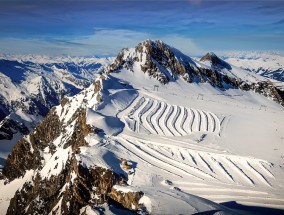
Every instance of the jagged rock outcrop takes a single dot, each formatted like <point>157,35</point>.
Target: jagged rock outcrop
<point>215,61</point>
<point>38,83</point>
<point>32,146</point>
<point>66,185</point>
<point>154,59</point>
<point>128,200</point>
<point>9,127</point>
<point>265,88</point>
<point>65,194</point>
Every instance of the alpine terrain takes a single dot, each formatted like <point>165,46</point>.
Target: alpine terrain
<point>157,132</point>
<point>267,64</point>
<point>30,85</point>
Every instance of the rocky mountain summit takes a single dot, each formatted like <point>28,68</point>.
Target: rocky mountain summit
<point>215,61</point>
<point>165,63</point>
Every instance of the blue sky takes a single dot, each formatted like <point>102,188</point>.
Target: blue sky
<point>91,27</point>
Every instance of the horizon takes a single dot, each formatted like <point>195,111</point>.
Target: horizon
<point>220,54</point>
<point>103,28</point>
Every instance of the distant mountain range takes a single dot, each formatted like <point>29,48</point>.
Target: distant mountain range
<point>31,85</point>
<point>267,64</point>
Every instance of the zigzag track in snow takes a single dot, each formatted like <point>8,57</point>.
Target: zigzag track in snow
<point>161,118</point>
<point>222,176</point>
<point>224,168</point>
<point>213,175</point>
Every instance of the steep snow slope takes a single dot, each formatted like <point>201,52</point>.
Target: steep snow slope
<point>134,130</point>
<point>31,85</point>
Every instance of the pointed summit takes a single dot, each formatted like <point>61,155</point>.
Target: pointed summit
<point>158,60</point>
<point>164,63</point>
<point>215,61</point>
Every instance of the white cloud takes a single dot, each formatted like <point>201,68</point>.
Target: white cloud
<point>106,42</point>
<point>184,44</point>
<point>110,42</point>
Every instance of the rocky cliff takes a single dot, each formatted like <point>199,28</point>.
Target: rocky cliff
<point>61,183</point>
<point>37,84</point>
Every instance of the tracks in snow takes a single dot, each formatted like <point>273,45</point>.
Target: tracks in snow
<point>156,117</point>
<point>209,173</point>
<point>219,168</point>
<point>215,176</point>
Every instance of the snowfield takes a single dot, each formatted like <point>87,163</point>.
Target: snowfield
<point>154,117</point>
<point>267,64</point>
<point>223,147</point>
<point>190,148</point>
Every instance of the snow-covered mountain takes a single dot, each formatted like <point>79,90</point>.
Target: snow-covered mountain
<point>267,64</point>
<point>167,64</point>
<point>31,85</point>
<point>156,133</point>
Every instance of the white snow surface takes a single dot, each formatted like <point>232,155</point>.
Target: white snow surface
<point>7,191</point>
<point>227,146</point>
<point>28,78</point>
<point>224,147</point>
<point>267,64</point>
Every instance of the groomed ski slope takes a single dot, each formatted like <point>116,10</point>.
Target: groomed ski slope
<point>224,147</point>
<point>155,117</point>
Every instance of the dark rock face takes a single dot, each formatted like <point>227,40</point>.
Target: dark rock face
<point>215,61</point>
<point>10,127</point>
<point>66,195</point>
<point>76,185</point>
<point>129,200</point>
<point>97,89</point>
<point>26,154</point>
<point>158,57</point>
<point>265,88</point>
<point>165,64</point>
<point>81,129</point>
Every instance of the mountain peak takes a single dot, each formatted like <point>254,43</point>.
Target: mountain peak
<point>210,56</point>
<point>152,42</point>
<point>157,59</point>
<point>215,61</point>
<point>166,64</point>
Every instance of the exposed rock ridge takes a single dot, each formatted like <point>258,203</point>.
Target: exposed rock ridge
<point>31,147</point>
<point>38,84</point>
<point>165,63</point>
<point>75,185</point>
<point>265,88</point>
<point>215,61</point>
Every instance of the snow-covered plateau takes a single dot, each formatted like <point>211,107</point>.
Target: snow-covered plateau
<point>157,132</point>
